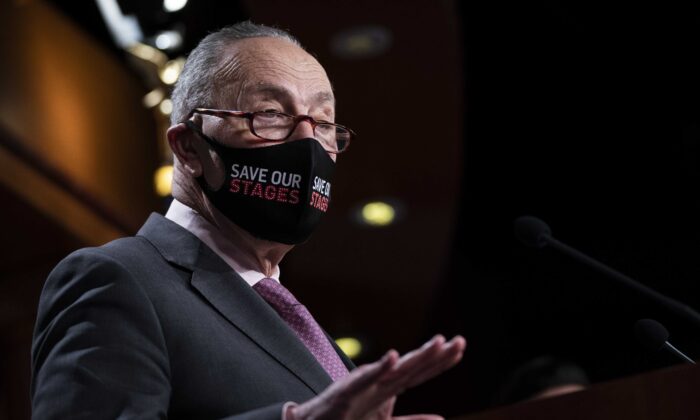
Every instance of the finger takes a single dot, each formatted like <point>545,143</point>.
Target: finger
<point>394,379</point>
<point>362,377</point>
<point>416,360</point>
<point>453,354</point>
<point>450,354</point>
<point>436,362</point>
<point>433,343</point>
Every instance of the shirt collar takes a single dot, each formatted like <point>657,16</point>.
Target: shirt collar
<point>224,247</point>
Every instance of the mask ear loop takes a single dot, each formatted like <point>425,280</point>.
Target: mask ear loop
<point>201,180</point>
<point>210,140</point>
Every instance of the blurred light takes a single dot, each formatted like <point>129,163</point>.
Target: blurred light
<point>378,213</point>
<point>361,42</point>
<point>171,71</point>
<point>168,40</point>
<point>153,98</point>
<point>350,346</point>
<point>163,180</point>
<point>173,5</point>
<point>148,53</point>
<point>166,107</point>
<point>125,30</point>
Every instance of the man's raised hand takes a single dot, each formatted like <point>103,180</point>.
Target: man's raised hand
<point>369,391</point>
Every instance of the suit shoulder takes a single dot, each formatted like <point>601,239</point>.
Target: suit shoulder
<point>92,267</point>
<point>119,250</point>
<point>121,255</point>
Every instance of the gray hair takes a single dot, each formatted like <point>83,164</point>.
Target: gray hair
<point>197,84</point>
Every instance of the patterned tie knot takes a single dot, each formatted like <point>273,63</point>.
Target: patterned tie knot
<point>275,294</point>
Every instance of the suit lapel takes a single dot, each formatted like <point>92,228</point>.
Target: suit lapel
<point>233,298</point>
<point>239,303</point>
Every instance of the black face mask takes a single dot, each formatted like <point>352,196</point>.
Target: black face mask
<point>278,193</point>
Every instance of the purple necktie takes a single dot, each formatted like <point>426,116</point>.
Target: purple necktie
<point>303,324</point>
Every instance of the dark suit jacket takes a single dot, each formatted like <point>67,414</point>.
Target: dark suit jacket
<point>156,326</point>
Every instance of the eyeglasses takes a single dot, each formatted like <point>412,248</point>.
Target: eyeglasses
<point>278,126</point>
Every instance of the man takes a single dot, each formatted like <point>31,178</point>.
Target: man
<point>188,319</point>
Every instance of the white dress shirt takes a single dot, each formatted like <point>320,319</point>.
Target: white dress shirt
<point>200,227</point>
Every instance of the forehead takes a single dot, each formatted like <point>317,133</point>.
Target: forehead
<point>273,67</point>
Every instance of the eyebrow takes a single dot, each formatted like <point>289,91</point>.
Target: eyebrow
<point>279,91</point>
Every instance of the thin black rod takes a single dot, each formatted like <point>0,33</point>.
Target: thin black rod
<point>673,305</point>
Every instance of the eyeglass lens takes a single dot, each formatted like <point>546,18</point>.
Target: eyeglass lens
<point>273,126</point>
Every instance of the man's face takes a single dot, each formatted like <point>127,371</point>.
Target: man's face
<point>269,74</point>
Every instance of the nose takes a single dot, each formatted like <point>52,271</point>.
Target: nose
<point>303,130</point>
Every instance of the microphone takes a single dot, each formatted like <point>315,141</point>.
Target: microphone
<point>654,337</point>
<point>535,233</point>
<point>532,231</point>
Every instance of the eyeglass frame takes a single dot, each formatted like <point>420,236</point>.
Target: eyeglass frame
<point>296,118</point>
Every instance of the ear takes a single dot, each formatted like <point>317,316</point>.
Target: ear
<point>183,143</point>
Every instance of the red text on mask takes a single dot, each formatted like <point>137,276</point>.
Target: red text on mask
<point>268,192</point>
<point>319,202</point>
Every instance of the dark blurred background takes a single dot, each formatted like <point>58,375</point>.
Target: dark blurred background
<point>469,114</point>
